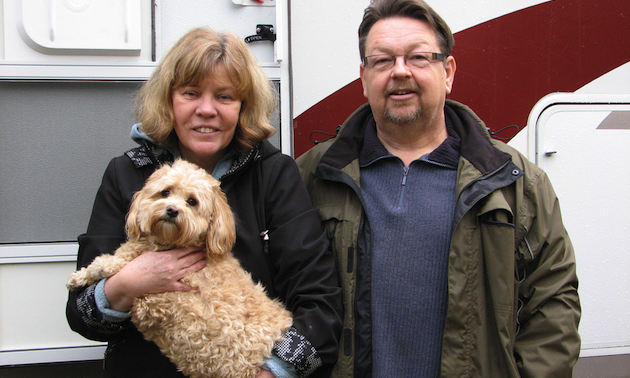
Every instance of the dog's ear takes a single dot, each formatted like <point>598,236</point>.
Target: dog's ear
<point>222,231</point>
<point>132,224</point>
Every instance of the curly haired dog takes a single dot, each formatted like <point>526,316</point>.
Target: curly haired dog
<point>228,326</point>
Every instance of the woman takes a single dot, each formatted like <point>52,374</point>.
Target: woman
<point>209,102</point>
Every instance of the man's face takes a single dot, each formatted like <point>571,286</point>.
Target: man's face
<point>405,93</point>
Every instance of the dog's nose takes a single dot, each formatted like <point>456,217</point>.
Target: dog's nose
<point>172,212</point>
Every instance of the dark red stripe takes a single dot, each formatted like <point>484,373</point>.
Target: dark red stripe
<point>505,65</point>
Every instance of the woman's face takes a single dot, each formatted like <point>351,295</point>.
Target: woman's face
<point>206,115</point>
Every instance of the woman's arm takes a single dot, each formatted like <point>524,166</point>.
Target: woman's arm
<point>152,272</point>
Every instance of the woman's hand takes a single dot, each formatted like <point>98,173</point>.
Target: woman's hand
<point>152,272</point>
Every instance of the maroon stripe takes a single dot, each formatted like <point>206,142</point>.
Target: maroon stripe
<point>505,65</point>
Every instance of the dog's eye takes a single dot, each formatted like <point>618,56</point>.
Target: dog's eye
<point>165,193</point>
<point>191,201</point>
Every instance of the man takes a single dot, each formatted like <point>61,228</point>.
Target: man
<point>450,245</point>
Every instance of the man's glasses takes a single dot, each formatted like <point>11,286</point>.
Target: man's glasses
<point>383,62</point>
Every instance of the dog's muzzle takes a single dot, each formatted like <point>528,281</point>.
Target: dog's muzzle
<point>172,212</point>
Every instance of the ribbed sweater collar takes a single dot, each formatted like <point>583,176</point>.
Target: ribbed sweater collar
<point>446,153</point>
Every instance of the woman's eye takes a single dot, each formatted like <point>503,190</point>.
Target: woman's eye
<point>228,97</point>
<point>187,91</point>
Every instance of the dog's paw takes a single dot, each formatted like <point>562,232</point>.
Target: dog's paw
<point>77,280</point>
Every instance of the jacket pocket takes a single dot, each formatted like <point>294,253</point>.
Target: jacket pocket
<point>497,238</point>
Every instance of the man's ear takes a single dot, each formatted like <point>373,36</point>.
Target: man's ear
<point>450,67</point>
<point>362,74</point>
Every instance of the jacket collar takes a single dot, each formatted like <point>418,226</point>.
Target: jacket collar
<point>475,145</point>
<point>151,154</point>
<point>446,154</point>
<point>347,145</point>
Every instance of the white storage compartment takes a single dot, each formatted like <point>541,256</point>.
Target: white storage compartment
<point>77,39</point>
<point>582,141</point>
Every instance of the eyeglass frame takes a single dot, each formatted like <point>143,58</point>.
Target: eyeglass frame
<point>434,57</point>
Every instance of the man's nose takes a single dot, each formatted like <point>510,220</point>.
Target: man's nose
<point>400,67</point>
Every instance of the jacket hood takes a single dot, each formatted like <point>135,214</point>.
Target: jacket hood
<point>138,136</point>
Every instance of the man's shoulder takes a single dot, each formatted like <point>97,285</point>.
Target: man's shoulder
<point>517,157</point>
<point>347,142</point>
<point>308,161</point>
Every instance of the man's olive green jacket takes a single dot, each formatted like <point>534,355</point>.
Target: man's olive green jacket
<point>513,306</point>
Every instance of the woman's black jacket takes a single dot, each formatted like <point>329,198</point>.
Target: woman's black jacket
<point>265,192</point>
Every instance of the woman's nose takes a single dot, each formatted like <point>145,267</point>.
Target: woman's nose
<point>206,106</point>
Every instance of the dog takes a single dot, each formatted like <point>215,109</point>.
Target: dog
<point>226,328</point>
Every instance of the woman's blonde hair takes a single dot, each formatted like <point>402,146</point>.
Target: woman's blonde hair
<point>194,57</point>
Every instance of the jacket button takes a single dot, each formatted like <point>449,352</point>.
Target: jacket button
<point>515,172</point>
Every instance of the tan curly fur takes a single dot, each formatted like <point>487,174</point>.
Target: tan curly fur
<point>228,326</point>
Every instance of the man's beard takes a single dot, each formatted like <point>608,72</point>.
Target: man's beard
<point>400,119</point>
<point>393,113</point>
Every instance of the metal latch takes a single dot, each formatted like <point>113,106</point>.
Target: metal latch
<point>263,33</point>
